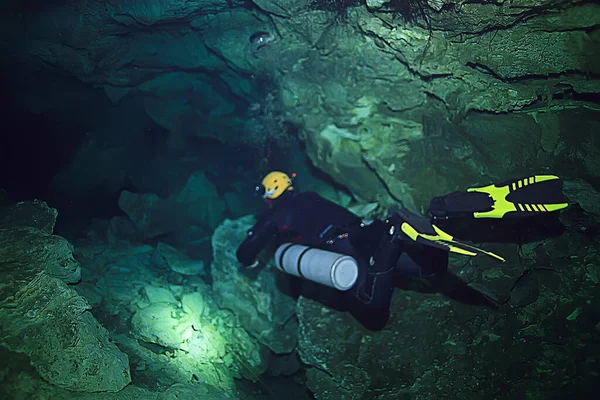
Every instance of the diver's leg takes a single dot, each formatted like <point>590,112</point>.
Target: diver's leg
<point>377,289</point>
<point>378,285</point>
<point>422,262</point>
<point>375,283</point>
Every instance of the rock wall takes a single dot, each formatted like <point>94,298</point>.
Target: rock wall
<point>44,318</point>
<point>382,104</point>
<point>442,341</point>
<point>263,310</point>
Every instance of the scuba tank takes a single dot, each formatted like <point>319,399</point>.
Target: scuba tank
<point>335,270</point>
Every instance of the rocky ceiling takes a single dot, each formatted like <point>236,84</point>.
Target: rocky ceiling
<point>384,95</point>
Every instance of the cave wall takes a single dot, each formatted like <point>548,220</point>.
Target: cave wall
<point>395,102</point>
<point>381,104</point>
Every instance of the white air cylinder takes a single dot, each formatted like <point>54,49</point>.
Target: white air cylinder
<point>335,270</point>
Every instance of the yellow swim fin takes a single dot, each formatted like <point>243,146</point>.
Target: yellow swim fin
<point>420,230</point>
<point>523,197</point>
<point>443,240</point>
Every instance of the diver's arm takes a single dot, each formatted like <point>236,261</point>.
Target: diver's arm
<point>255,241</point>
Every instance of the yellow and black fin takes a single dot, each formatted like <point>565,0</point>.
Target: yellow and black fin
<point>420,230</point>
<point>443,240</point>
<point>523,197</point>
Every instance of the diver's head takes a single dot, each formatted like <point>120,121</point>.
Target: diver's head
<point>273,185</point>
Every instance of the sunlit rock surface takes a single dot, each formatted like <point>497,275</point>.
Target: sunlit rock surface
<point>263,310</point>
<point>179,262</point>
<point>168,323</point>
<point>44,318</point>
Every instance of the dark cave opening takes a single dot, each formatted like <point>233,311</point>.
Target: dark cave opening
<point>33,148</point>
<point>36,146</point>
<point>39,146</point>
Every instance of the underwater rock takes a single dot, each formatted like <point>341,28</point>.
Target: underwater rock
<point>27,241</point>
<point>147,211</point>
<point>157,294</point>
<point>95,170</point>
<point>174,97</point>
<point>238,205</point>
<point>28,385</point>
<point>431,339</point>
<point>121,230</point>
<point>376,3</point>
<point>199,201</point>
<point>263,310</point>
<point>179,262</point>
<point>468,57</point>
<point>159,324</point>
<point>584,194</point>
<point>284,364</point>
<point>194,303</point>
<point>508,144</point>
<point>116,232</point>
<point>117,276</point>
<point>226,36</point>
<point>550,126</point>
<point>34,214</point>
<point>174,333</point>
<point>338,152</point>
<point>44,318</point>
<point>196,203</point>
<point>364,210</point>
<point>331,343</point>
<point>196,391</point>
<point>141,13</point>
<point>78,41</point>
<point>203,346</point>
<point>281,8</point>
<point>385,141</point>
<point>260,43</point>
<point>46,253</point>
<point>525,291</point>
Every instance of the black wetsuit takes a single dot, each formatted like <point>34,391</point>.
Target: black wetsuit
<point>311,220</point>
<point>305,218</point>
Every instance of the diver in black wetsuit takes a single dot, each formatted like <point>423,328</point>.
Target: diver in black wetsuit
<point>310,219</point>
<point>404,244</point>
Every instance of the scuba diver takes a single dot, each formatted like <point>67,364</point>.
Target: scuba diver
<point>325,243</point>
